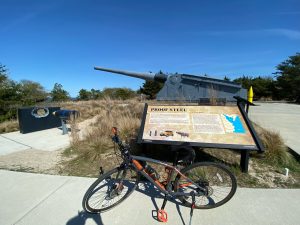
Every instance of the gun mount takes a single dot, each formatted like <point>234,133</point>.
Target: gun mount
<point>185,87</point>
<point>64,115</point>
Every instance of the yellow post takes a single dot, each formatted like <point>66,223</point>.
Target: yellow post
<point>250,95</point>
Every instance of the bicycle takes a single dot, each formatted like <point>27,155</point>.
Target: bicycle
<point>201,185</point>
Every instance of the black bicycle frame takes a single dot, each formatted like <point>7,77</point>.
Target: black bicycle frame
<point>133,161</point>
<point>168,191</point>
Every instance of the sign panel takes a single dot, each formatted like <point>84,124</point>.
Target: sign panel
<point>207,126</point>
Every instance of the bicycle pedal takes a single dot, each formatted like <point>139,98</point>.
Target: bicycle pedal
<point>162,216</point>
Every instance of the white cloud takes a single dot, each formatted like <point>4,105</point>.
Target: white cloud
<point>19,21</point>
<point>26,17</point>
<point>288,33</point>
<point>288,13</point>
<point>291,34</point>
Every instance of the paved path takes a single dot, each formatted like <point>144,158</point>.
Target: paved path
<point>34,199</point>
<point>281,117</point>
<point>45,140</point>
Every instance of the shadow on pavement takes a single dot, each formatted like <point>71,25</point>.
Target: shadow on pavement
<point>149,190</point>
<point>82,217</point>
<point>145,188</point>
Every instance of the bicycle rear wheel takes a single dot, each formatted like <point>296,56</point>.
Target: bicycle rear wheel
<point>217,181</point>
<point>110,189</point>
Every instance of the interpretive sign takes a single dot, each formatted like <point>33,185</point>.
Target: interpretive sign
<point>207,126</point>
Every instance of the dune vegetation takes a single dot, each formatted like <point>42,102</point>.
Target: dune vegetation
<point>87,154</point>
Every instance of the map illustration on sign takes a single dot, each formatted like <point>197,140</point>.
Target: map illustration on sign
<point>217,125</point>
<point>233,124</point>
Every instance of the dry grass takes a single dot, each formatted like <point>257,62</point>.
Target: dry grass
<point>97,146</point>
<point>9,126</point>
<point>86,156</point>
<point>91,108</point>
<point>87,109</point>
<point>276,151</point>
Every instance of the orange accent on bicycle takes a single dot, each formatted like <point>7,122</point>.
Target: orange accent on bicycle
<point>114,186</point>
<point>162,216</point>
<point>137,164</point>
<point>185,185</point>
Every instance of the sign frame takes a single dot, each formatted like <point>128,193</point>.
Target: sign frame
<point>258,145</point>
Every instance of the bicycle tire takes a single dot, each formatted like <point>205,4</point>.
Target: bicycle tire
<point>201,173</point>
<point>105,184</point>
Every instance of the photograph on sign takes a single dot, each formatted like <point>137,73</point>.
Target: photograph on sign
<point>220,125</point>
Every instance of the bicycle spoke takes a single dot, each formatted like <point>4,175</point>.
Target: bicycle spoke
<point>108,191</point>
<point>215,182</point>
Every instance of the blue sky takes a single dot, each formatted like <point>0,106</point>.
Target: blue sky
<point>53,41</point>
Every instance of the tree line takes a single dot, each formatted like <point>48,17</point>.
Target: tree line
<point>14,95</point>
<point>113,93</point>
<point>284,84</point>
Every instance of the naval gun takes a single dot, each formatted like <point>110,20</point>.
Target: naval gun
<point>191,88</point>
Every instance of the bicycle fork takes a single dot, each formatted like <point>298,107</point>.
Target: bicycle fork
<point>118,187</point>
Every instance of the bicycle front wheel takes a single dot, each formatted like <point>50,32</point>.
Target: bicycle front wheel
<point>217,183</point>
<point>110,189</point>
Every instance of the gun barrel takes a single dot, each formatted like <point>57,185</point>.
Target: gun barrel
<point>144,76</point>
